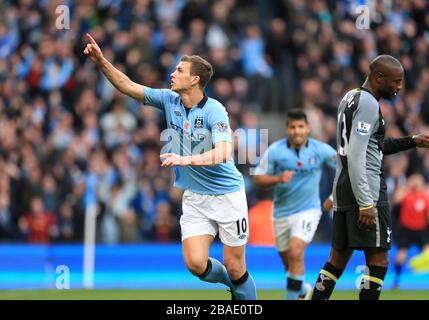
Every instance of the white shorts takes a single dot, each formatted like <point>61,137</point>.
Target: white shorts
<point>210,214</point>
<point>302,225</point>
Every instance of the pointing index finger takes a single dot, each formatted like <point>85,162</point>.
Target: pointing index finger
<point>91,39</point>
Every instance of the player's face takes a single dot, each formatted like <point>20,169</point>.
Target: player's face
<point>391,83</point>
<point>297,132</point>
<point>181,78</point>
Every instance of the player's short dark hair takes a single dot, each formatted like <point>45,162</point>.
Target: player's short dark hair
<point>199,67</point>
<point>296,114</point>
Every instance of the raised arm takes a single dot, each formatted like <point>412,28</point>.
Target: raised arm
<point>119,80</point>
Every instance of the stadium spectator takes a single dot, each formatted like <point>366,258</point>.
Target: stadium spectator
<point>165,225</point>
<point>6,224</point>
<point>413,221</point>
<point>67,230</point>
<point>39,225</point>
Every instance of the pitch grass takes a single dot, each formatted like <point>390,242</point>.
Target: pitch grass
<point>182,295</point>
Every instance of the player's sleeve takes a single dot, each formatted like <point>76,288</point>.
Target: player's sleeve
<point>266,164</point>
<point>394,145</point>
<point>218,123</point>
<point>363,123</point>
<point>156,97</point>
<point>329,155</point>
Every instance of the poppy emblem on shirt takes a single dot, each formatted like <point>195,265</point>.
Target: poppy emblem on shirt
<point>198,122</point>
<point>186,125</point>
<point>299,164</point>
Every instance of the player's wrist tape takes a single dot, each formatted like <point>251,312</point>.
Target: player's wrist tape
<point>367,207</point>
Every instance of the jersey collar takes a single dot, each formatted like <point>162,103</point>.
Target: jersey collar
<point>365,89</point>
<point>289,145</point>
<point>200,104</point>
<point>203,101</point>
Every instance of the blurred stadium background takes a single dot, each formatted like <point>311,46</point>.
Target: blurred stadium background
<point>67,137</point>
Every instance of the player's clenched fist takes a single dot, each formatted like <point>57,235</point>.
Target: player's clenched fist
<point>367,218</point>
<point>93,50</point>
<point>328,204</point>
<point>286,176</point>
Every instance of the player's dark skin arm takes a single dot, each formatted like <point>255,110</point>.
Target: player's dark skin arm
<point>421,140</point>
<point>366,218</point>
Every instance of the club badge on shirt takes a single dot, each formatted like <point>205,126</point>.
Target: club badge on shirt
<point>198,122</point>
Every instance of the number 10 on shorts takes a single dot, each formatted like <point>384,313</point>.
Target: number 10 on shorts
<point>241,227</point>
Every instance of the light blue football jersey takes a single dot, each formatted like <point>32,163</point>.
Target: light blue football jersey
<point>196,132</point>
<point>302,192</point>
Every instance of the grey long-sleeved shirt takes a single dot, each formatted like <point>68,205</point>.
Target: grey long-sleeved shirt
<point>359,180</point>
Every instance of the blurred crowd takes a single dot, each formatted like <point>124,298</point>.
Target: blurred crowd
<point>62,123</point>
